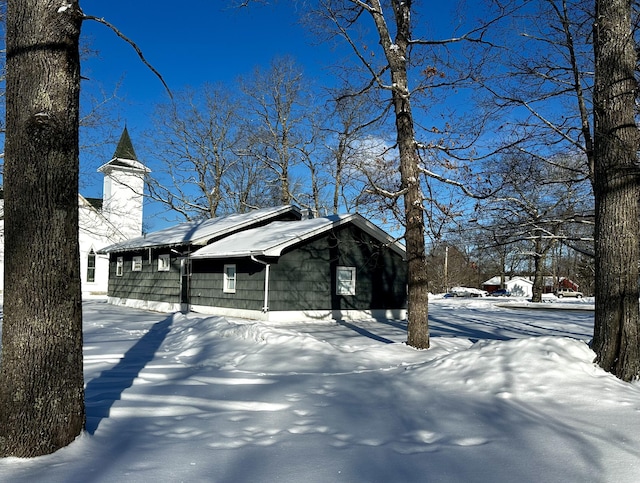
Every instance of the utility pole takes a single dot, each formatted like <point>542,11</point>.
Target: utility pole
<point>446,269</point>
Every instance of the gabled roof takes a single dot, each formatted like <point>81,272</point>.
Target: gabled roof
<point>199,233</point>
<point>272,239</point>
<point>104,227</point>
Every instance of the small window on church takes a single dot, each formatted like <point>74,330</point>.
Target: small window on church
<point>136,264</point>
<point>119,266</point>
<point>91,266</point>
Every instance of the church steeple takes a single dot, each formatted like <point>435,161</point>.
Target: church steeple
<point>125,147</point>
<point>124,179</point>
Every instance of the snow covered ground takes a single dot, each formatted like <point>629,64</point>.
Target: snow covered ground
<point>503,395</point>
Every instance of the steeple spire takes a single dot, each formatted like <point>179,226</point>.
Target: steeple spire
<point>125,147</point>
<point>124,178</point>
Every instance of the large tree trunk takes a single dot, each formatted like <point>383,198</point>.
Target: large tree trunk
<point>616,338</point>
<point>396,53</point>
<point>538,279</point>
<point>41,381</point>
<point>417,303</point>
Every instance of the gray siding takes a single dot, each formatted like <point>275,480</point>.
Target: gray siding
<point>301,280</point>
<point>304,277</point>
<point>207,280</point>
<point>148,284</point>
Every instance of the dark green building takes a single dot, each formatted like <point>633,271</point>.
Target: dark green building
<point>276,267</point>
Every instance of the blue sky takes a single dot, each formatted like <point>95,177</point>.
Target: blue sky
<point>189,44</point>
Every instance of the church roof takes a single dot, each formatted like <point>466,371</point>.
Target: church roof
<point>124,158</point>
<point>125,147</point>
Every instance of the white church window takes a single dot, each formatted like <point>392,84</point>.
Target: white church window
<point>136,264</point>
<point>119,266</point>
<point>91,266</point>
<point>164,263</point>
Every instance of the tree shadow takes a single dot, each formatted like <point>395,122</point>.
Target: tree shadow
<point>365,332</point>
<point>103,391</point>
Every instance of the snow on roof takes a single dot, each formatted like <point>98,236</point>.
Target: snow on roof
<point>200,232</point>
<point>496,280</point>
<point>272,239</point>
<point>123,163</point>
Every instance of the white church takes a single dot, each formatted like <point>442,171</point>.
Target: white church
<point>114,218</point>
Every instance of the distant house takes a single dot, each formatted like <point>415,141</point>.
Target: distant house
<point>566,283</point>
<point>107,220</point>
<point>518,286</point>
<point>523,286</point>
<point>267,264</point>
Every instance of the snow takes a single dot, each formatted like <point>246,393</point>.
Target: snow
<point>65,6</point>
<point>268,240</point>
<point>271,240</point>
<point>198,232</point>
<point>504,395</point>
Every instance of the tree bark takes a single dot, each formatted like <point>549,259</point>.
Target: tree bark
<point>41,380</point>
<point>538,275</point>
<point>616,339</point>
<point>418,292</point>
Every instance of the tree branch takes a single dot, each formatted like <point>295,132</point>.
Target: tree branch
<point>115,30</point>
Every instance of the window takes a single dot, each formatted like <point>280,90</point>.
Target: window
<point>91,266</point>
<point>229,279</point>
<point>346,281</point>
<point>136,264</point>
<point>164,263</point>
<point>119,266</point>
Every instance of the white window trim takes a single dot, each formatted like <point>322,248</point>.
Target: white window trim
<point>164,263</point>
<point>226,288</point>
<point>91,258</point>
<point>119,266</point>
<point>346,287</point>
<point>136,264</point>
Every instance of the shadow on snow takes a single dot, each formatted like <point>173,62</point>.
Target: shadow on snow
<point>103,391</point>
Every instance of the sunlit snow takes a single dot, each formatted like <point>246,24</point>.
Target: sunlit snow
<point>503,395</point>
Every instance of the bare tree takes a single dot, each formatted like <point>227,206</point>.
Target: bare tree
<point>616,339</point>
<point>540,85</point>
<point>388,65</point>
<point>195,138</point>
<point>348,140</point>
<point>541,94</point>
<point>276,125</point>
<point>223,151</point>
<point>41,380</point>
<point>539,204</point>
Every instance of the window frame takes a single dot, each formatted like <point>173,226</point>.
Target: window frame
<point>345,286</point>
<point>164,262</point>
<point>136,263</point>
<point>91,266</point>
<point>229,284</point>
<point>119,266</point>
